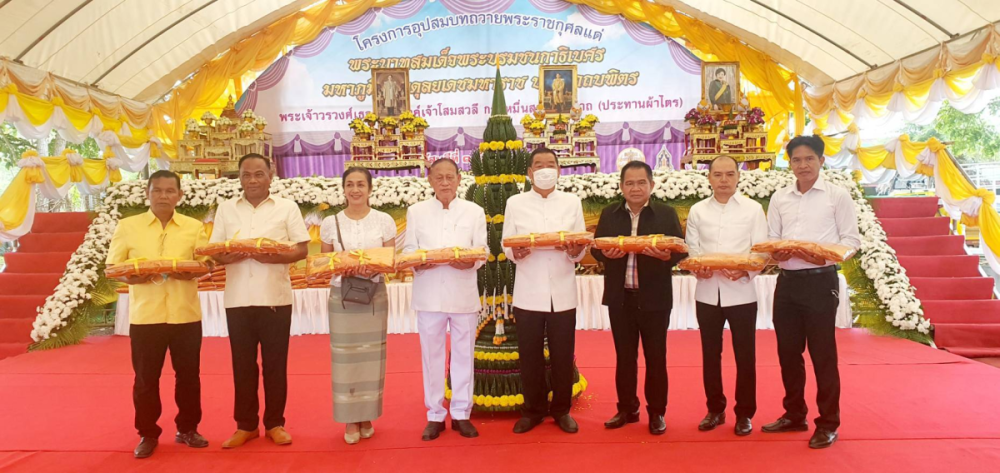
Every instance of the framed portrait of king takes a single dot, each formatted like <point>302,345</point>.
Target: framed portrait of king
<point>720,85</point>
<point>390,92</point>
<point>557,89</point>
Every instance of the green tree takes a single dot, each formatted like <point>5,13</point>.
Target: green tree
<point>12,145</point>
<point>974,137</point>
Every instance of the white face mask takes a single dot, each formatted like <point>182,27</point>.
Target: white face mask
<point>545,179</point>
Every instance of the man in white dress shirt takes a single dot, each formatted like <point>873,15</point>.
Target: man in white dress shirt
<point>806,296</point>
<point>258,298</point>
<point>545,292</point>
<point>446,295</point>
<point>731,223</point>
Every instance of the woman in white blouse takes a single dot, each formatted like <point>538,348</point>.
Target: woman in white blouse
<point>358,331</point>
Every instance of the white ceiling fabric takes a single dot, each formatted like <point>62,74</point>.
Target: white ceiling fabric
<point>89,37</point>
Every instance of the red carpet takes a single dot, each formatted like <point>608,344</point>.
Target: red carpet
<point>906,407</point>
<point>955,296</point>
<point>33,272</point>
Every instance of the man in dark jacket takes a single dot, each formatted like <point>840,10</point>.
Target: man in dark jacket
<point>638,293</point>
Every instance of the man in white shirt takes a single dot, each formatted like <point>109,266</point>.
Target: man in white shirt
<point>258,298</point>
<point>806,296</point>
<point>728,223</point>
<point>446,295</point>
<point>545,292</point>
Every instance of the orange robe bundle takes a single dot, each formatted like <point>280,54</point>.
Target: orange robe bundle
<point>326,265</point>
<point>257,246</point>
<point>441,256</point>
<point>543,240</point>
<point>720,261</point>
<point>828,251</point>
<point>143,267</point>
<point>635,244</point>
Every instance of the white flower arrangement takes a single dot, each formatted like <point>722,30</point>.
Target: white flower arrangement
<point>205,117</point>
<point>259,120</point>
<point>248,114</point>
<point>876,258</point>
<point>247,127</point>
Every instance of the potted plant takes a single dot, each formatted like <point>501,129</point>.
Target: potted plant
<point>371,119</point>
<point>248,116</point>
<point>692,116</point>
<point>260,123</point>
<point>755,118</point>
<point>419,124</point>
<point>406,117</point>
<point>388,125</point>
<point>208,118</point>
<point>408,130</point>
<point>247,129</point>
<point>706,122</point>
<point>361,129</point>
<point>537,128</point>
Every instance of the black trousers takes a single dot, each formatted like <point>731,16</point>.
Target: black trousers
<point>149,351</point>
<point>532,330</point>
<point>805,312</point>
<point>743,328</point>
<point>629,326</point>
<point>268,328</point>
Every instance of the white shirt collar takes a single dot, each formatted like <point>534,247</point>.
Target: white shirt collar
<point>819,185</point>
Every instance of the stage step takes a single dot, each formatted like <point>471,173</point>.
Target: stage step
<point>36,263</point>
<point>61,222</point>
<point>951,289</point>
<point>45,242</point>
<point>940,266</point>
<point>20,306</point>
<point>16,330</point>
<point>28,284</point>
<point>906,227</point>
<point>967,336</point>
<point>928,245</point>
<point>905,207</point>
<point>8,350</point>
<point>963,312</point>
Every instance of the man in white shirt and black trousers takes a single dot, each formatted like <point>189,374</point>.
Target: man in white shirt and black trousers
<point>545,292</point>
<point>258,299</point>
<point>446,295</point>
<point>806,297</point>
<point>728,223</point>
<point>638,290</point>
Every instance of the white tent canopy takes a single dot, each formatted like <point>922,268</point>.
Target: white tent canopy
<point>140,49</point>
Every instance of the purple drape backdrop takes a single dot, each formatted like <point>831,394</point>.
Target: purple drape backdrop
<point>299,158</point>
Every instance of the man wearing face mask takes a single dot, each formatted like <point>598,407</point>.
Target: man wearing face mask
<point>446,296</point>
<point>638,291</point>
<point>545,292</point>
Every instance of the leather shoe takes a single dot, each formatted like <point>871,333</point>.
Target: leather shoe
<point>743,426</point>
<point>711,421</point>
<point>785,425</point>
<point>657,426</point>
<point>823,438</point>
<point>525,424</point>
<point>241,437</point>
<point>622,418</point>
<point>146,447</point>
<point>432,431</point>
<point>567,424</point>
<point>192,439</point>
<point>279,436</point>
<point>464,428</point>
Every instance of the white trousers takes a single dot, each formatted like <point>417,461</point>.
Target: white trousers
<point>433,329</point>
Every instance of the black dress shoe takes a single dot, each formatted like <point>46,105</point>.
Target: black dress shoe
<point>525,424</point>
<point>622,418</point>
<point>743,426</point>
<point>657,426</point>
<point>823,438</point>
<point>192,439</point>
<point>432,431</point>
<point>567,424</point>
<point>464,428</point>
<point>145,447</point>
<point>784,425</point>
<point>711,421</point>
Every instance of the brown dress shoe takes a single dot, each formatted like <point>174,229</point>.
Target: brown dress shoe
<point>241,437</point>
<point>279,436</point>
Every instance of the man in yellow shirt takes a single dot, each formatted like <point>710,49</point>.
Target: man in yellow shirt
<point>164,312</point>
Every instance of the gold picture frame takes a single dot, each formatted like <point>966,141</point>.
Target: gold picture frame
<point>400,80</point>
<point>547,96</point>
<point>720,96</point>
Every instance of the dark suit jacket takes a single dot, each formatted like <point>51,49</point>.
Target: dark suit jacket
<point>655,287</point>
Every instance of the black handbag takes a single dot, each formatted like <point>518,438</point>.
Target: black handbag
<point>354,289</point>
